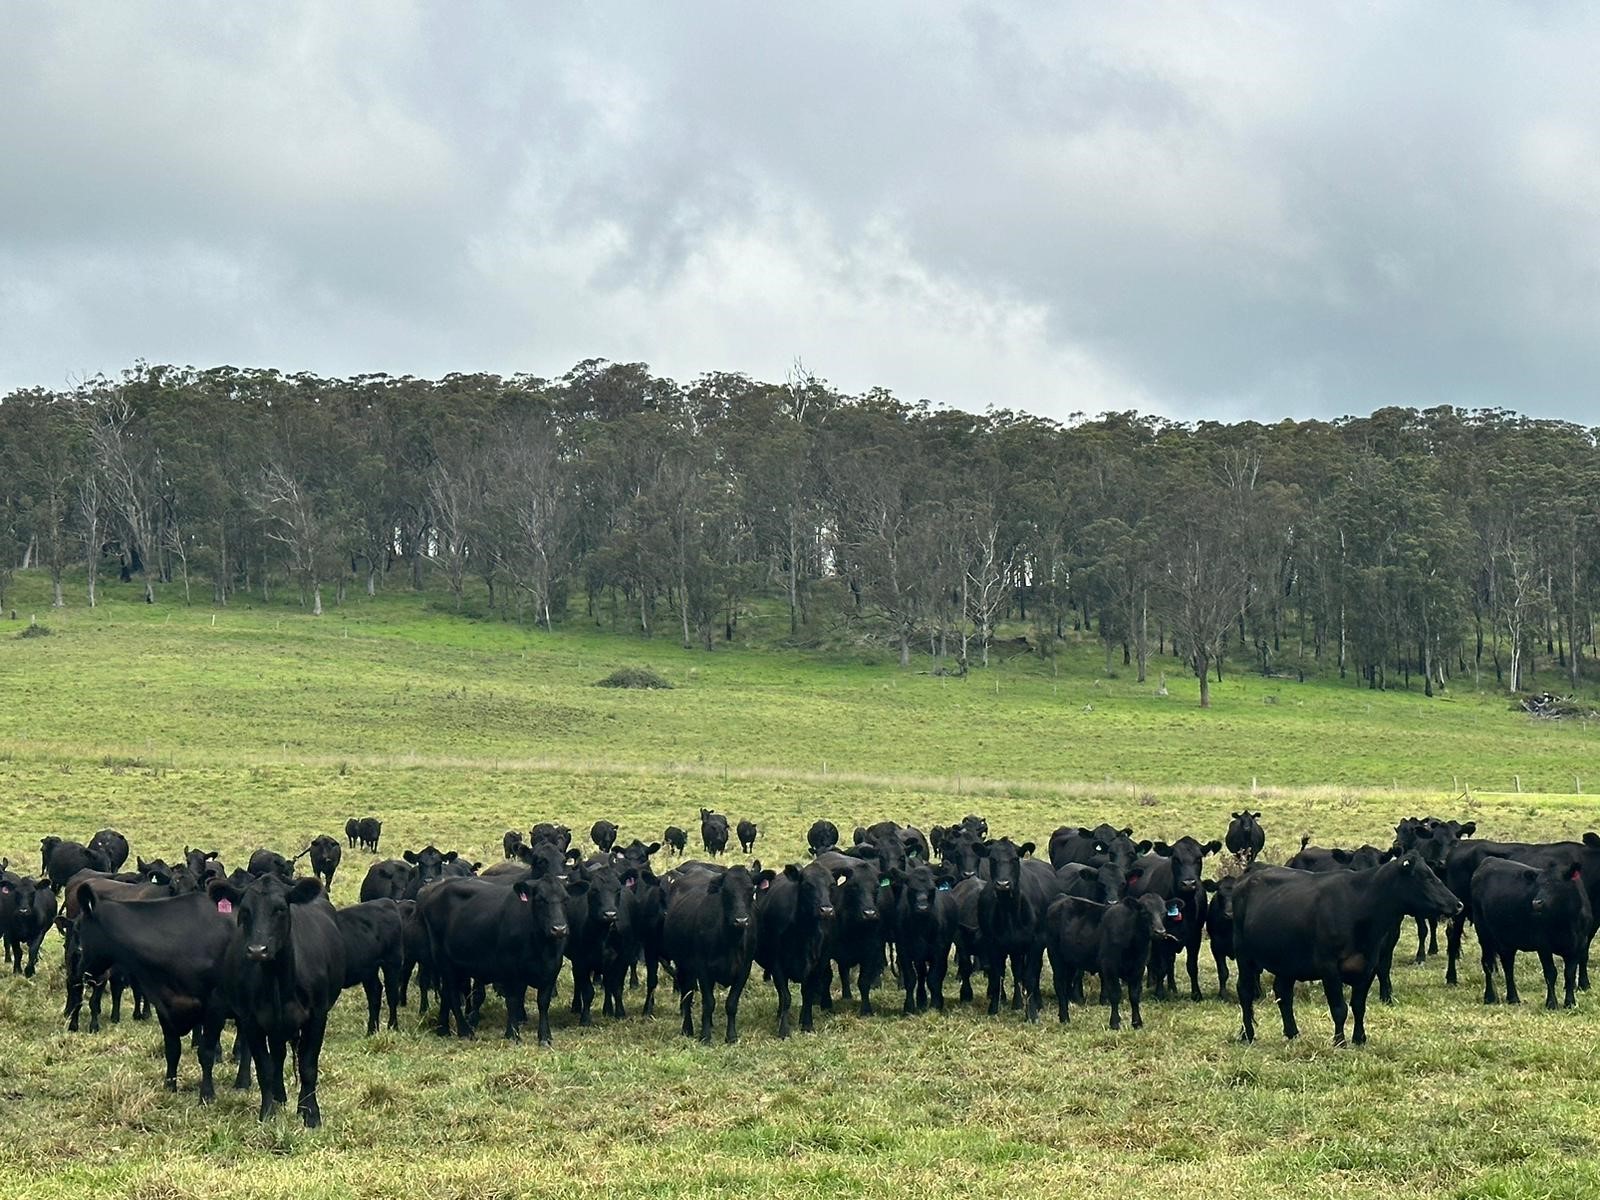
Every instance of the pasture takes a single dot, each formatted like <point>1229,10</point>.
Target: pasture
<point>267,728</point>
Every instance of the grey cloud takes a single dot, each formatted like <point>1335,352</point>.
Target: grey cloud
<point>1251,211</point>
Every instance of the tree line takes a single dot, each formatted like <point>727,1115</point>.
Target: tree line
<point>1408,546</point>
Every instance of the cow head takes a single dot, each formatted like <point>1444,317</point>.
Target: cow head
<point>1188,859</point>
<point>429,862</point>
<point>958,850</point>
<point>1418,889</point>
<point>20,893</point>
<point>736,888</point>
<point>546,901</point>
<point>1558,890</point>
<point>262,912</point>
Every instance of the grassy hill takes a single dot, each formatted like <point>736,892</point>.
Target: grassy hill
<point>259,725</point>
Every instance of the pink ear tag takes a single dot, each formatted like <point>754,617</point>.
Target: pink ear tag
<point>523,896</point>
<point>224,906</point>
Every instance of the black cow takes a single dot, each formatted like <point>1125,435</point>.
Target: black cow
<point>747,831</point>
<point>60,860</point>
<point>430,863</point>
<point>558,836</point>
<point>270,862</point>
<point>373,934</point>
<point>958,853</point>
<point>511,843</point>
<point>204,865</point>
<point>1330,927</point>
<point>113,846</point>
<point>1011,911</point>
<point>636,853</point>
<point>593,913</point>
<point>710,936</point>
<point>172,948</point>
<point>1094,847</point>
<point>1465,856</point>
<point>116,980</point>
<point>282,972</point>
<point>713,831</point>
<point>325,853</point>
<point>368,831</point>
<point>860,928</point>
<point>418,958</point>
<point>1114,940</point>
<point>675,839</point>
<point>604,835</point>
<point>1173,873</point>
<point>1433,837</point>
<point>794,910</point>
<point>512,937</point>
<point>1546,910</point>
<point>822,836</point>
<point>925,928</point>
<point>392,879</point>
<point>352,832</point>
<point>27,910</point>
<point>1320,859</point>
<point>1219,926</point>
<point>1245,837</point>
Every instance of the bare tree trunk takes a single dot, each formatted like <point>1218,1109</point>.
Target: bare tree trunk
<point>316,598</point>
<point>1203,669</point>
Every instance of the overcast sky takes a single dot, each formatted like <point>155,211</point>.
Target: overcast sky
<point>1251,210</point>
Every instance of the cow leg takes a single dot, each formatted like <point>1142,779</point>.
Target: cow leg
<point>1194,971</point>
<point>541,997</point>
<point>374,991</point>
<point>844,982</point>
<point>1488,968</point>
<point>208,1052</point>
<point>1111,991</point>
<point>1385,966</point>
<point>686,1006</point>
<point>708,1001</point>
<point>937,972</point>
<point>909,980</point>
<point>1358,1007</point>
<point>1569,963</point>
<point>732,1005</point>
<point>1422,941</point>
<point>652,966</point>
<point>964,974</point>
<point>997,975</point>
<point>1583,963</point>
<point>1283,990</point>
<point>391,988</point>
<point>1452,941</point>
<point>1134,986</point>
<point>1548,962</point>
<point>172,1044</point>
<point>308,1054</point>
<point>13,951</point>
<point>780,984</point>
<point>279,1049</point>
<point>825,995</point>
<point>1333,988</point>
<point>243,1059</point>
<point>1035,964</point>
<point>1508,964</point>
<point>97,998</point>
<point>1221,960</point>
<point>808,998</point>
<point>1062,980</point>
<point>1247,988</point>
<point>867,974</point>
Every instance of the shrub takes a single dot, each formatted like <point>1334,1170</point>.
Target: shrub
<point>33,631</point>
<point>633,677</point>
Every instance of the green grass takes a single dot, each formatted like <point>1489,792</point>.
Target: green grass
<point>269,727</point>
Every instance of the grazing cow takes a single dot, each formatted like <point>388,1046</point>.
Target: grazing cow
<point>325,854</point>
<point>1545,910</point>
<point>675,840</point>
<point>1011,911</point>
<point>281,974</point>
<point>794,911</point>
<point>511,843</point>
<point>270,862</point>
<point>822,837</point>
<point>373,934</point>
<point>747,831</point>
<point>1173,873</point>
<point>511,937</point>
<point>604,835</point>
<point>1114,940</point>
<point>60,860</point>
<point>1245,837</point>
<point>391,879</point>
<point>713,831</point>
<point>1433,837</point>
<point>352,832</point>
<point>1465,857</point>
<point>171,948</point>
<point>113,846</point>
<point>710,937</point>
<point>27,910</point>
<point>1319,859</point>
<point>368,831</point>
<point>1330,927</point>
<point>925,928</point>
<point>1219,926</point>
<point>431,864</point>
<point>860,928</point>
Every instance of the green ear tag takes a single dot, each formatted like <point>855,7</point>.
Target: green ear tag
<point>884,882</point>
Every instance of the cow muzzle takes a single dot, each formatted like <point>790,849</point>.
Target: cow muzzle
<point>256,953</point>
<point>741,922</point>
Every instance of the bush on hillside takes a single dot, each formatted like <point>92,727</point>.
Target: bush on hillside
<point>633,677</point>
<point>33,631</point>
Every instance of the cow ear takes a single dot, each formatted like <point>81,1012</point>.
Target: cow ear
<point>1026,849</point>
<point>1135,874</point>
<point>217,889</point>
<point>1161,848</point>
<point>1210,885</point>
<point>1082,832</point>
<point>577,887</point>
<point>1143,847</point>
<point>1590,839</point>
<point>524,890</point>
<point>764,879</point>
<point>1127,831</point>
<point>1340,856</point>
<point>140,865</point>
<point>651,849</point>
<point>792,873</point>
<point>410,856</point>
<point>1211,847</point>
<point>1471,827</point>
<point>1424,832</point>
<point>452,856</point>
<point>1257,816</point>
<point>714,884</point>
<point>572,858</point>
<point>304,891</point>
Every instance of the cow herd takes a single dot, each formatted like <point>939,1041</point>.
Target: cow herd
<point>262,946</point>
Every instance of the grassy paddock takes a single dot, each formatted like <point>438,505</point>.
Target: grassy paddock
<point>270,728</point>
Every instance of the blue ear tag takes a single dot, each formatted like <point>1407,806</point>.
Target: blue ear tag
<point>1172,909</point>
<point>944,885</point>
